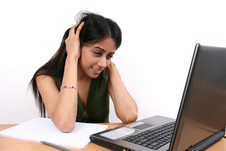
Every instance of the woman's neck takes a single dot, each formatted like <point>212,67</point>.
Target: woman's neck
<point>81,74</point>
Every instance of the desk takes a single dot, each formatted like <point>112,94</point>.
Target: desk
<point>10,144</point>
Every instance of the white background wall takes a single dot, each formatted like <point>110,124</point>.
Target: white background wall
<point>158,43</point>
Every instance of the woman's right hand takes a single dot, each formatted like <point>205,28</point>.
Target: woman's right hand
<point>73,42</point>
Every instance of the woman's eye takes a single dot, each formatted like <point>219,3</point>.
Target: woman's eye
<point>97,53</point>
<point>110,56</point>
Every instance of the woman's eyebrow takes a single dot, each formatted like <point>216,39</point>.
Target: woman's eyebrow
<point>100,49</point>
<point>104,50</point>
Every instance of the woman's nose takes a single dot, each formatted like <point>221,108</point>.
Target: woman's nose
<point>102,62</point>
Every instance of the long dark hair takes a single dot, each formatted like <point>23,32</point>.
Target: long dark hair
<point>96,27</point>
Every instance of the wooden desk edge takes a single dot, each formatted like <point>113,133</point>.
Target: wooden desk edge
<point>219,146</point>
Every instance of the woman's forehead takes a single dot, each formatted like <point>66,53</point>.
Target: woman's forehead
<point>106,45</point>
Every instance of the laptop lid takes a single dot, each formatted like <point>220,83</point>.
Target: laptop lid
<point>203,106</point>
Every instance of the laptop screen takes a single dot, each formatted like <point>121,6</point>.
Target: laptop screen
<point>203,106</point>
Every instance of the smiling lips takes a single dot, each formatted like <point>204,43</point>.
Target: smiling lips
<point>96,70</point>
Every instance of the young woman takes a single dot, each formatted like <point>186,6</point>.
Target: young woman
<point>75,84</point>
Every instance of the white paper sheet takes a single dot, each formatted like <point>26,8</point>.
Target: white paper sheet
<point>43,129</point>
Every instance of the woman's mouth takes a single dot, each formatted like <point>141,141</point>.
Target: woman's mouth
<point>96,70</point>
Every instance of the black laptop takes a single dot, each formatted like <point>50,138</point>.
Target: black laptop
<point>201,117</point>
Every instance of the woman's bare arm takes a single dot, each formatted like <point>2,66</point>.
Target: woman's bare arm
<point>125,106</point>
<point>62,105</point>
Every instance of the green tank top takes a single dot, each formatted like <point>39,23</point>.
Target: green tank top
<point>96,109</point>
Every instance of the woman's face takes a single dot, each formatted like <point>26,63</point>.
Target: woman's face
<point>96,57</point>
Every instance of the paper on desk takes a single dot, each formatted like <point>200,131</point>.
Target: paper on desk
<point>43,129</point>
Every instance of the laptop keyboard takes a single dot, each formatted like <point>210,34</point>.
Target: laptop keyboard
<point>153,139</point>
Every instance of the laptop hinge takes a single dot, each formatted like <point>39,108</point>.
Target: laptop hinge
<point>207,142</point>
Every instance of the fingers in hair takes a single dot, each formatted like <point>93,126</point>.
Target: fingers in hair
<point>79,28</point>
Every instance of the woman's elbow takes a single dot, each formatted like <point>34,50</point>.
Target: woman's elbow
<point>129,118</point>
<point>66,127</point>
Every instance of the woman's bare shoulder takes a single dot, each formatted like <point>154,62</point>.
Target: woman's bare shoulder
<point>44,78</point>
